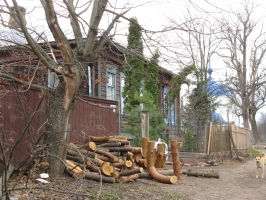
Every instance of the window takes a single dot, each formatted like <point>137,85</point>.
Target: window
<point>110,92</point>
<point>111,82</point>
<point>89,81</point>
<point>168,110</point>
<point>122,85</point>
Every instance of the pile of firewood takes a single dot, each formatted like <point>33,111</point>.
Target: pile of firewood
<point>111,159</point>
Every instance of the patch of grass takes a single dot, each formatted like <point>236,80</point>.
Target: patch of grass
<point>104,195</point>
<point>254,152</point>
<point>152,189</point>
<point>172,195</point>
<point>109,196</point>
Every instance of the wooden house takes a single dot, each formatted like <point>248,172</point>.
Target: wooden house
<point>102,88</point>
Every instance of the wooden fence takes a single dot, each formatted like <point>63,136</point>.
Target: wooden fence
<point>228,139</point>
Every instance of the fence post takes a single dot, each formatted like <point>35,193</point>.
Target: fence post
<point>145,124</point>
<point>209,143</point>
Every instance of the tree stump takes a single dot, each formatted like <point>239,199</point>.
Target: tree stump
<point>175,158</point>
<point>160,156</point>
<point>144,146</point>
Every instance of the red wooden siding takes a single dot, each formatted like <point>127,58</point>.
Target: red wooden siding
<point>90,120</point>
<point>87,120</point>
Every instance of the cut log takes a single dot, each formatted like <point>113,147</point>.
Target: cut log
<point>107,154</point>
<point>160,156</point>
<point>97,177</point>
<point>142,163</point>
<point>74,153</point>
<point>115,174</point>
<point>105,159</point>
<point>117,138</point>
<point>107,169</point>
<point>100,139</point>
<point>130,172</point>
<point>152,170</point>
<point>165,172</point>
<point>76,170</point>
<point>117,154</point>
<point>207,174</point>
<point>137,157</point>
<point>120,149</point>
<point>91,167</point>
<point>114,144</point>
<point>90,146</point>
<point>123,142</point>
<point>97,161</point>
<point>145,175</point>
<point>150,154</point>
<point>119,164</point>
<point>79,159</point>
<point>73,146</point>
<point>144,146</point>
<point>128,163</point>
<point>79,175</point>
<point>175,159</point>
<point>161,178</point>
<point>129,156</point>
<point>83,152</point>
<point>126,179</point>
<point>136,150</point>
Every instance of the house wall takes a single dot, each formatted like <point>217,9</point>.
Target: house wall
<point>98,119</point>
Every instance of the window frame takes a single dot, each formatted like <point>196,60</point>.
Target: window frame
<point>112,72</point>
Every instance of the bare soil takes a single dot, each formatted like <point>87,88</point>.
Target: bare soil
<point>236,181</point>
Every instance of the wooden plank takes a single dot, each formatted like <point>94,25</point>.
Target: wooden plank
<point>209,142</point>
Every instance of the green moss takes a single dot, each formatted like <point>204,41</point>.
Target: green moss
<point>254,152</point>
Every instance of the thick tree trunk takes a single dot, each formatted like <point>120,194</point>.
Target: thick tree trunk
<point>61,104</point>
<point>254,127</point>
<point>175,158</point>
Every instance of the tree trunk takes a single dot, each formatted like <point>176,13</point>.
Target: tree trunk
<point>254,127</point>
<point>57,134</point>
<point>175,158</point>
<point>60,108</point>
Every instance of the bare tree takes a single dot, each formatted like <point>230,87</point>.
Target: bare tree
<point>197,40</point>
<point>197,43</point>
<point>69,70</point>
<point>243,52</point>
<point>262,126</point>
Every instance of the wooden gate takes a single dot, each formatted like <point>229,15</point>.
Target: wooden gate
<point>228,139</point>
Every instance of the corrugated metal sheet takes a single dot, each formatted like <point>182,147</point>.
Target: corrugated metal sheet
<point>87,120</point>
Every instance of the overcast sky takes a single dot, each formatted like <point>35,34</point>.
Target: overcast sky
<point>152,15</point>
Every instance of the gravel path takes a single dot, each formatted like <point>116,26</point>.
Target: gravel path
<point>237,182</point>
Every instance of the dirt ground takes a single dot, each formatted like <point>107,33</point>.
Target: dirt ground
<point>236,181</point>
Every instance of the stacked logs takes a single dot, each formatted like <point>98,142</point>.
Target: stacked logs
<point>111,159</point>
